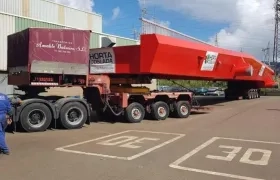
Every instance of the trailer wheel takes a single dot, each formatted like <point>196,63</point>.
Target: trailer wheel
<point>249,95</point>
<point>134,112</point>
<point>257,94</point>
<point>254,94</point>
<point>73,115</point>
<point>160,110</point>
<point>182,109</point>
<point>35,117</point>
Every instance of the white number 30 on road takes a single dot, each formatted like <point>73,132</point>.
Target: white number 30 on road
<point>233,150</point>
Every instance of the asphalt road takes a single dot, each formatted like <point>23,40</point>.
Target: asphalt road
<point>236,140</point>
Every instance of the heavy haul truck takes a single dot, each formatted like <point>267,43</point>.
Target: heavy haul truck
<point>40,58</point>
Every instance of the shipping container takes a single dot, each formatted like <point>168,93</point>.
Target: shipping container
<point>55,51</point>
<point>8,27</point>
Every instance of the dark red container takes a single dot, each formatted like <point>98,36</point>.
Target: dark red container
<point>52,46</point>
<point>49,52</point>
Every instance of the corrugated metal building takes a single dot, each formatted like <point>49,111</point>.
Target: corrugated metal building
<point>17,15</point>
<point>52,13</point>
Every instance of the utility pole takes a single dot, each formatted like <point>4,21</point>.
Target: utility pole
<point>144,9</point>
<point>266,51</point>
<point>276,45</point>
<point>154,16</point>
<point>217,40</point>
<point>135,33</point>
<point>143,16</point>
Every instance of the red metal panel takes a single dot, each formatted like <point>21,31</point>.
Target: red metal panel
<point>171,58</point>
<point>167,55</point>
<point>117,60</point>
<point>127,59</point>
<point>174,57</point>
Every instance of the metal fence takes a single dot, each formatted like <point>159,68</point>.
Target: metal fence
<point>150,27</point>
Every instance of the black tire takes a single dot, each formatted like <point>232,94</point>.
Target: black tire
<point>77,112</point>
<point>249,95</point>
<point>182,109</point>
<point>35,112</point>
<point>134,108</point>
<point>156,108</point>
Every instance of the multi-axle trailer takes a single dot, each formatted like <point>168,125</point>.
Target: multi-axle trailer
<point>40,58</point>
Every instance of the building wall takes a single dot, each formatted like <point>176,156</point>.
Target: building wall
<point>4,88</point>
<point>24,23</point>
<point>53,13</point>
<point>7,27</point>
<point>95,40</point>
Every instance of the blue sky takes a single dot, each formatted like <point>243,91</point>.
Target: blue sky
<point>235,26</point>
<point>246,25</point>
<point>129,13</point>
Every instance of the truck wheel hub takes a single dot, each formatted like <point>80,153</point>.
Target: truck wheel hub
<point>36,117</point>
<point>73,115</point>
<point>184,110</point>
<point>136,114</point>
<point>162,111</point>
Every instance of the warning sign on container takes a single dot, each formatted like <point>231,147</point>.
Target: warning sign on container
<point>102,61</point>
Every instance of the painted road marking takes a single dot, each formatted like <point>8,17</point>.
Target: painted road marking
<point>266,154</point>
<point>230,152</point>
<point>229,157</point>
<point>125,141</point>
<point>246,157</point>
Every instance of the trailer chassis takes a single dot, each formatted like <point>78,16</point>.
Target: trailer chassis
<point>35,113</point>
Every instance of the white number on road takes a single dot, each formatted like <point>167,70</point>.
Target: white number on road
<point>263,161</point>
<point>130,144</point>
<point>246,157</point>
<point>126,141</point>
<point>230,156</point>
